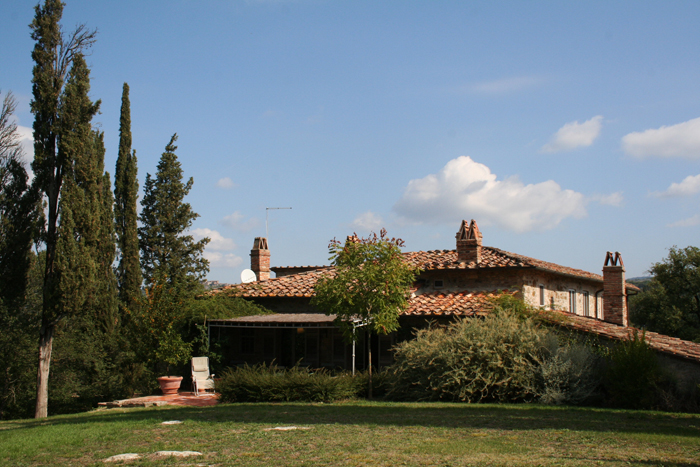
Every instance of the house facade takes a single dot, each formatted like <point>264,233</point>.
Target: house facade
<point>452,284</point>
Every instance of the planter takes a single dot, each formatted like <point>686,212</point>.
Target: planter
<point>169,384</point>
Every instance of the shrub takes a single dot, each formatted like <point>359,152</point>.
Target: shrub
<point>269,383</point>
<point>471,360</point>
<point>633,374</point>
<point>569,372</point>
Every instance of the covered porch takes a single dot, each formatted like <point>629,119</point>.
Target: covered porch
<point>312,339</point>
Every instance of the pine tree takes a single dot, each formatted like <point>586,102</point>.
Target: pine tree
<point>62,139</point>
<point>125,193</point>
<point>166,250</point>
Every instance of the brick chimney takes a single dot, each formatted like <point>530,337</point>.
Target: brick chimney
<point>469,243</point>
<point>260,259</point>
<point>614,292</point>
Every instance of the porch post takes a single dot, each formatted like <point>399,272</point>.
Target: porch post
<point>353,348</point>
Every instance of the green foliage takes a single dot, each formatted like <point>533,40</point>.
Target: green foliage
<point>471,360</point>
<point>126,188</point>
<point>569,371</point>
<point>633,374</point>
<point>166,249</point>
<point>197,310</point>
<point>19,322</point>
<point>371,283</point>
<point>263,383</point>
<point>670,304</point>
<point>159,321</point>
<point>221,306</point>
<point>20,211</point>
<point>64,151</point>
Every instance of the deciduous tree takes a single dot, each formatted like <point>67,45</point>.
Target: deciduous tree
<point>670,303</point>
<point>371,284</point>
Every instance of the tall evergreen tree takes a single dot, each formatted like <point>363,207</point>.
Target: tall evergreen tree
<point>64,173</point>
<point>126,188</point>
<point>19,211</point>
<point>166,250</point>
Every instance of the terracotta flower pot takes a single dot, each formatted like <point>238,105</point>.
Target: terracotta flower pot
<point>169,384</point>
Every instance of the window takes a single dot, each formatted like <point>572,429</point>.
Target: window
<point>572,301</point>
<point>247,341</point>
<point>586,309</point>
<point>541,295</point>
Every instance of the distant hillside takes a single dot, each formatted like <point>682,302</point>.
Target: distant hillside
<point>641,282</point>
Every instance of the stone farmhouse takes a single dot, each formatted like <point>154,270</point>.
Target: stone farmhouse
<point>452,284</point>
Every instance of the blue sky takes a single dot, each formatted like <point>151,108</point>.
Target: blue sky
<point>565,129</point>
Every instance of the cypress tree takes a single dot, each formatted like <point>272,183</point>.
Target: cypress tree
<point>62,115</point>
<point>125,195</point>
<point>166,250</point>
<point>19,211</point>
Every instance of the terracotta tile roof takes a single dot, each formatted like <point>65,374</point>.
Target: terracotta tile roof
<point>280,318</point>
<point>447,259</point>
<point>451,304</point>
<point>302,284</point>
<point>463,304</point>
<point>295,285</point>
<point>662,343</point>
<point>286,268</point>
<point>490,258</point>
<point>493,258</point>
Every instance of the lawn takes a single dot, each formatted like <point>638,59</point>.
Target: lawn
<point>359,433</point>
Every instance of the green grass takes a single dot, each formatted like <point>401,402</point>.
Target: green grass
<point>360,433</point>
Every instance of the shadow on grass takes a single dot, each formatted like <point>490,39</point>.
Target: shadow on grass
<point>476,416</point>
<point>657,462</point>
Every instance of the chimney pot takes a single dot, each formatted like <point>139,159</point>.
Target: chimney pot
<point>260,259</point>
<point>614,291</point>
<point>469,243</point>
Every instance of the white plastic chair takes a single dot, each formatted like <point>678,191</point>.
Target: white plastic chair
<point>201,379</point>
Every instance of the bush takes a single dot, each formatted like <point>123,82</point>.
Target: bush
<point>381,383</point>
<point>633,374</point>
<point>263,383</point>
<point>569,373</point>
<point>471,360</point>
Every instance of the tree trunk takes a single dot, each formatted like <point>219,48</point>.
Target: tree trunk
<point>42,379</point>
<point>369,367</point>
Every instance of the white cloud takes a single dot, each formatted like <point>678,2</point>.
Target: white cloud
<point>689,222</point>
<point>218,249</point>
<point>466,189</point>
<point>26,139</point>
<point>226,183</point>
<point>613,199</point>
<point>506,85</point>
<point>680,140</point>
<point>218,241</point>
<point>575,135</point>
<point>236,222</point>
<point>689,186</point>
<point>368,221</point>
<point>222,260</point>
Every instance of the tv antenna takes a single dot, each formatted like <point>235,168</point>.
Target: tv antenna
<point>267,212</point>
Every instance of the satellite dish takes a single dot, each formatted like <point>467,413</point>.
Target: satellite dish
<point>248,275</point>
